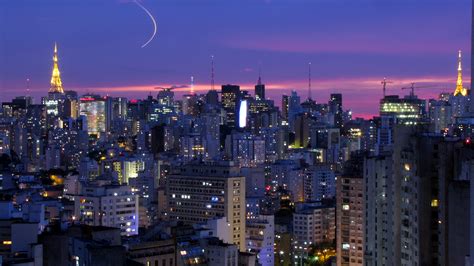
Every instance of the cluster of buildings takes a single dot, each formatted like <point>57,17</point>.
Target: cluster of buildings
<point>228,177</point>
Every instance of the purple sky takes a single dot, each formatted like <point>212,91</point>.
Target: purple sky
<point>352,45</point>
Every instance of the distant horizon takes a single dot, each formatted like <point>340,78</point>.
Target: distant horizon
<point>352,47</point>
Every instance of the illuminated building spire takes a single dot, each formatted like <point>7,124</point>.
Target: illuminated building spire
<point>459,87</point>
<point>56,83</point>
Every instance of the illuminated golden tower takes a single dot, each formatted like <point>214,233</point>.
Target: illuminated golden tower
<point>459,87</point>
<point>56,84</point>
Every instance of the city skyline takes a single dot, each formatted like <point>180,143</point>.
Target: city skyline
<point>106,63</point>
<point>237,132</point>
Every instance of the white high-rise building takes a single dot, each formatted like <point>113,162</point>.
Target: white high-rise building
<point>113,206</point>
<point>201,191</point>
<point>314,225</point>
<point>260,237</point>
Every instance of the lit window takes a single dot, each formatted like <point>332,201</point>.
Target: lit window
<point>407,167</point>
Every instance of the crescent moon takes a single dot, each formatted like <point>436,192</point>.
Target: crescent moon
<point>152,20</point>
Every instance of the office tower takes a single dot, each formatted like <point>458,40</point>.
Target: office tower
<point>350,213</point>
<point>93,107</point>
<point>201,191</point>
<point>119,108</point>
<point>406,111</point>
<point>108,205</point>
<point>320,182</point>
<point>260,90</point>
<point>230,102</point>
<point>335,107</point>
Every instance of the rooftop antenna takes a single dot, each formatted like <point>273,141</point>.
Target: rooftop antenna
<point>212,72</point>
<point>309,81</point>
<point>259,73</point>
<point>27,87</point>
<point>192,85</point>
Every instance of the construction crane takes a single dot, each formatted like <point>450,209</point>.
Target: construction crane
<point>384,82</point>
<point>413,87</point>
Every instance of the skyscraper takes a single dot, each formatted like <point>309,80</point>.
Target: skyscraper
<point>260,90</point>
<point>198,192</point>
<point>350,213</point>
<point>93,107</point>
<point>230,100</point>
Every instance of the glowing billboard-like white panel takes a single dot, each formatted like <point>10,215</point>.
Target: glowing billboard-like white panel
<point>243,114</point>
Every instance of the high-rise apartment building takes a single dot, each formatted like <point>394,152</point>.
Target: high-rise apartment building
<point>201,191</point>
<point>314,224</point>
<point>350,213</point>
<point>113,206</point>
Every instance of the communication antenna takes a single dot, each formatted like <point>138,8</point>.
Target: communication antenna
<point>27,87</point>
<point>212,72</point>
<point>309,81</point>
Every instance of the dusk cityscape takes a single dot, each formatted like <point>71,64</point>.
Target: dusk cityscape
<point>234,133</point>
